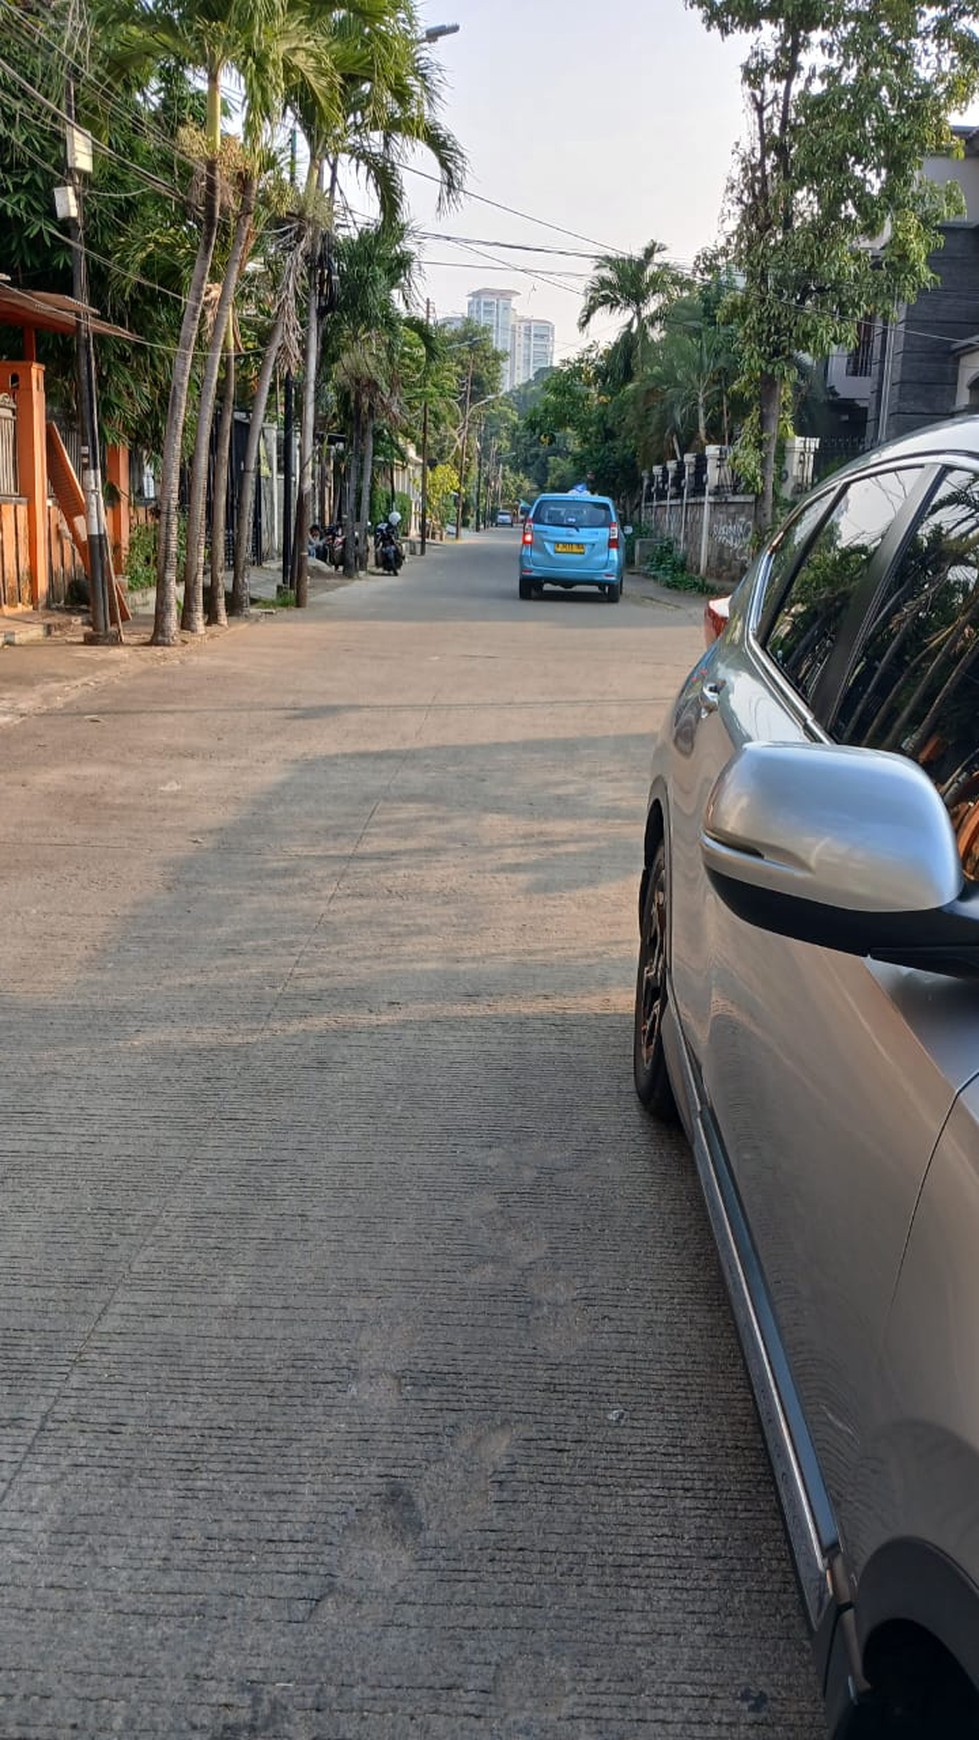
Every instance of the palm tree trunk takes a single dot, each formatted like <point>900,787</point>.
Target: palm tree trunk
<point>366,481</point>
<point>165,619</point>
<point>217,614</point>
<point>243,528</point>
<point>192,616</point>
<point>305,492</point>
<point>304,503</point>
<point>350,491</point>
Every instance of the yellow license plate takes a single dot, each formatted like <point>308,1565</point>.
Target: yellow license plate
<point>569,549</point>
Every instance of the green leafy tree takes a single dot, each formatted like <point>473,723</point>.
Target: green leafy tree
<point>140,250</point>
<point>581,423</point>
<point>830,218</point>
<point>443,485</point>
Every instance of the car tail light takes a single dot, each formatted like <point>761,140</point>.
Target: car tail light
<point>528,532</point>
<point>613,536</point>
<point>716,612</point>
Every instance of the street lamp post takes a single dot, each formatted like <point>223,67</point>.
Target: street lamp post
<point>464,438</point>
<point>435,31</point>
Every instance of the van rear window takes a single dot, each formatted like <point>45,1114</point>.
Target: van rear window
<point>576,515</point>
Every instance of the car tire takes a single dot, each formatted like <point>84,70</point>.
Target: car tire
<point>614,593</point>
<point>919,1692</point>
<point>526,589</point>
<point>649,1068</point>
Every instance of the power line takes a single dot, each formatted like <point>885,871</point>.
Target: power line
<point>152,181</point>
<point>473,247</point>
<point>108,95</point>
<point>463,265</point>
<point>512,211</point>
<point>498,266</point>
<point>517,247</point>
<point>525,271</point>
<point>103,259</point>
<point>538,276</point>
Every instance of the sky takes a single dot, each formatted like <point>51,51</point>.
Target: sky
<point>611,118</point>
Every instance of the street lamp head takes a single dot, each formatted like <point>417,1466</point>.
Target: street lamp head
<point>435,31</point>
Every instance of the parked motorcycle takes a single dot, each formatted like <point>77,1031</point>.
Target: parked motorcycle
<point>388,554</point>
<point>333,543</point>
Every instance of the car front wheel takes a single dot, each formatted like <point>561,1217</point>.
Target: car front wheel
<point>649,1059</point>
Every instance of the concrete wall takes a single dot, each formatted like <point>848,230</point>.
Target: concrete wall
<point>729,533</point>
<point>964,170</point>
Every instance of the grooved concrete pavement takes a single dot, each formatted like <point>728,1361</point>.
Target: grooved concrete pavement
<point>366,1368</point>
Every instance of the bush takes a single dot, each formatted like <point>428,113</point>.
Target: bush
<point>667,564</point>
<point>140,575</point>
<point>141,564</point>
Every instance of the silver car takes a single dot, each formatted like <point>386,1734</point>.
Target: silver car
<point>808,1004</point>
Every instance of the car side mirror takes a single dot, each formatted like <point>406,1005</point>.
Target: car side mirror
<point>850,849</point>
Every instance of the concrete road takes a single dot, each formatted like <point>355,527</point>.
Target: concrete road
<point>366,1368</point>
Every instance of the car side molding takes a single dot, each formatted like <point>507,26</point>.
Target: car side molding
<point>806,1506</point>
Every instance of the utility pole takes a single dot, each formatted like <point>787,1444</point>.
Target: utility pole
<point>465,440</point>
<point>479,474</point>
<point>428,322</point>
<point>79,158</point>
<point>288,416</point>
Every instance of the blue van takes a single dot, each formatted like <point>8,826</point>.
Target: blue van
<point>573,540</point>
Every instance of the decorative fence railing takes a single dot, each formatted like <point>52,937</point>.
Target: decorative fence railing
<point>8,445</point>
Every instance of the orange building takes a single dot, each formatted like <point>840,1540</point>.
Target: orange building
<point>43,541</point>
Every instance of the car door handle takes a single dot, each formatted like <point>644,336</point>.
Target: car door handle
<point>710,696</point>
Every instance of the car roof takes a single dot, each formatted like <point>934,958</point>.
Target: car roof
<point>577,495</point>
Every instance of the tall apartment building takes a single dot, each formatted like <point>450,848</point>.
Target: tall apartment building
<point>528,345</point>
<point>531,348</point>
<point>494,310</point>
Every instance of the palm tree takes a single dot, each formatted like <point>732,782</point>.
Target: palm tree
<point>374,270</point>
<point>390,96</point>
<point>639,286</point>
<point>682,397</point>
<point>311,51</point>
<point>269,44</point>
<point>390,108</point>
<point>288,260</point>
<point>205,36</point>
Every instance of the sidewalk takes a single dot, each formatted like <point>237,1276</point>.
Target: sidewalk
<point>641,589</point>
<point>45,662</point>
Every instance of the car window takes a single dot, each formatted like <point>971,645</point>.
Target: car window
<point>579,515</point>
<point>790,540</point>
<point>914,687</point>
<point>808,620</point>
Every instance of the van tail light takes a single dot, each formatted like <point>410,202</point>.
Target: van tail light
<point>613,536</point>
<point>528,532</point>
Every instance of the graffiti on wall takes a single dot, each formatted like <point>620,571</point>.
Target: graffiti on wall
<point>733,535</point>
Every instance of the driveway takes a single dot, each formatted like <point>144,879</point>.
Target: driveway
<point>367,1371</point>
